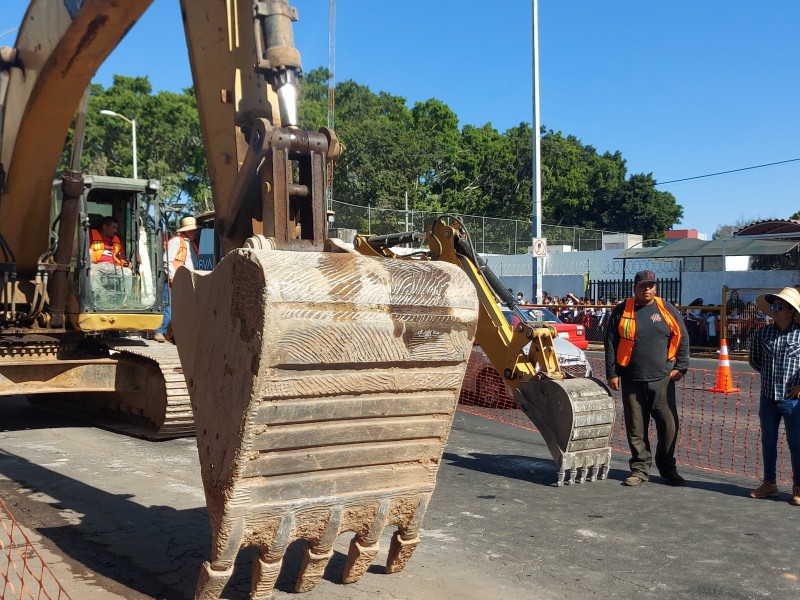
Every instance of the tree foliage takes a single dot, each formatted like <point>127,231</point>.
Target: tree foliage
<point>169,143</point>
<point>392,151</point>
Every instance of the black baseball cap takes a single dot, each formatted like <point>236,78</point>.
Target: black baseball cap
<point>644,277</point>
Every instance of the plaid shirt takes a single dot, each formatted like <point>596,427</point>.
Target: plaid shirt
<point>776,355</point>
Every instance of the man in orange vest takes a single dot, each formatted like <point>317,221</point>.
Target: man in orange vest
<point>108,255</point>
<point>106,247</point>
<point>182,251</point>
<point>647,351</point>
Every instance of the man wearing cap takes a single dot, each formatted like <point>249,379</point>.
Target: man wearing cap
<point>182,251</point>
<point>647,351</point>
<point>775,354</point>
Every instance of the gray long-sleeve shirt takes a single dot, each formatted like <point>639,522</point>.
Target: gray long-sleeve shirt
<point>649,357</point>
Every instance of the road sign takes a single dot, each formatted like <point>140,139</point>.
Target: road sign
<point>539,247</point>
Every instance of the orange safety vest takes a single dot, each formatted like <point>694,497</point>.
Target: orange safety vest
<point>627,332</point>
<point>98,246</point>
<point>183,251</point>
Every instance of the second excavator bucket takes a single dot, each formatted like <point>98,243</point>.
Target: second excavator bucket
<point>576,419</point>
<point>323,387</point>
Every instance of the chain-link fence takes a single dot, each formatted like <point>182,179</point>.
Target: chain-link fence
<point>490,235</point>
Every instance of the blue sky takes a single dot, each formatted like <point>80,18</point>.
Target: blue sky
<point>680,88</point>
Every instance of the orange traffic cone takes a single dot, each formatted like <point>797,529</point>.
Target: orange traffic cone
<point>723,384</point>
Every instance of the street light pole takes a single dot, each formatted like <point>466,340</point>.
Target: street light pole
<point>132,122</point>
<point>536,171</point>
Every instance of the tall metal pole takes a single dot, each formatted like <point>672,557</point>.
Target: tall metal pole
<point>133,133</point>
<point>331,95</point>
<point>536,213</point>
<point>132,122</point>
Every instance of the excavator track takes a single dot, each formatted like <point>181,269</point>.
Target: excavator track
<point>129,385</point>
<point>166,408</point>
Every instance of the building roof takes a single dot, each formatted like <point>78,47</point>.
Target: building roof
<point>772,228</point>
<point>725,247</point>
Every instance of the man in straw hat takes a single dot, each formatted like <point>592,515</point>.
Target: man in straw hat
<point>647,351</point>
<point>775,353</point>
<point>182,251</point>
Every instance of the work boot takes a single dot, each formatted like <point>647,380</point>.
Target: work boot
<point>634,480</point>
<point>674,479</point>
<point>767,489</point>
<point>159,337</point>
<point>795,496</point>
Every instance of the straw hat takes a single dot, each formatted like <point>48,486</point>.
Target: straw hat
<point>788,294</point>
<point>188,224</point>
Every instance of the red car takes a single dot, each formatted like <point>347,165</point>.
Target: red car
<point>569,331</point>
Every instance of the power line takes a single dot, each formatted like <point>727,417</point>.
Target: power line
<point>780,162</point>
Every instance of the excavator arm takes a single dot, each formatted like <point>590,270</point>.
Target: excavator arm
<point>59,47</point>
<point>574,415</point>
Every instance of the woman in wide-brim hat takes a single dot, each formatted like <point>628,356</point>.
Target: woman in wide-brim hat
<point>775,354</point>
<point>790,295</point>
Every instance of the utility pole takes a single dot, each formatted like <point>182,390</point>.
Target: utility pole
<point>331,91</point>
<point>536,213</point>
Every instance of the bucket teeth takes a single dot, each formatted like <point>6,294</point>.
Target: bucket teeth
<point>264,576</point>
<point>359,558</point>
<point>400,551</point>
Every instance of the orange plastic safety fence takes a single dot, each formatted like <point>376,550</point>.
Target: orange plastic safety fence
<point>23,571</point>
<point>718,432</point>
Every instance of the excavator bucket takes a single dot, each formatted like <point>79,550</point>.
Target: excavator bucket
<point>323,387</point>
<point>576,419</point>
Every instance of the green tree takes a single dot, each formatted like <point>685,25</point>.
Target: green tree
<point>169,142</point>
<point>390,150</point>
<point>643,209</point>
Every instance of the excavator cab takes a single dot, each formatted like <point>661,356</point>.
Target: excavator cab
<point>115,286</point>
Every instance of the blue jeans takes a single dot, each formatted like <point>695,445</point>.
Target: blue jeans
<point>770,414</point>
<point>167,313</point>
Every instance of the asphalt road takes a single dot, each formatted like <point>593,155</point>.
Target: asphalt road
<point>118,517</point>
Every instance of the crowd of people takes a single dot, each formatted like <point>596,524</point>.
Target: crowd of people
<point>703,323</point>
<point>742,319</point>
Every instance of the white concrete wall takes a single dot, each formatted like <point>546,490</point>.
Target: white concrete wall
<point>565,272</point>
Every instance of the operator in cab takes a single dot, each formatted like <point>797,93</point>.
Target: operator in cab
<point>111,270</point>
<point>106,246</point>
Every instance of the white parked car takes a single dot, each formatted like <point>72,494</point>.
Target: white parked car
<point>483,385</point>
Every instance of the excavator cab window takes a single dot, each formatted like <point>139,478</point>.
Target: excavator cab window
<point>123,276</point>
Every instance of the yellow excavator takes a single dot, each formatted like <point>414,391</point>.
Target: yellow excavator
<point>73,330</point>
<point>323,377</point>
